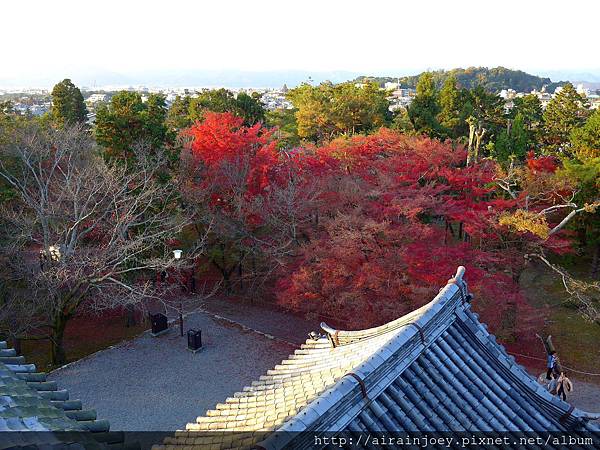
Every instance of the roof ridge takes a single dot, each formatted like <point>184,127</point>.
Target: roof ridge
<point>436,317</point>
<point>345,337</point>
<point>326,367</point>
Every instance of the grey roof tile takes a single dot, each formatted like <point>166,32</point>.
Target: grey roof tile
<point>30,403</point>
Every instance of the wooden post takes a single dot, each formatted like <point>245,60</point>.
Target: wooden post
<point>181,318</point>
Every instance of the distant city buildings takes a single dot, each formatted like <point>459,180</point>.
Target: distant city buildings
<point>37,101</point>
<point>275,99</point>
<point>34,110</point>
<point>399,97</point>
<point>96,98</point>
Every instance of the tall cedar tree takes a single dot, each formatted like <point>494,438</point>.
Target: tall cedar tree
<point>565,112</point>
<point>68,107</point>
<point>452,117</point>
<point>424,109</point>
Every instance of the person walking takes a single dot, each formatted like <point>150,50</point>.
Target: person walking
<point>563,386</point>
<point>551,363</point>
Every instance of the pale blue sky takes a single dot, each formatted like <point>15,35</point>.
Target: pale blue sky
<point>129,36</point>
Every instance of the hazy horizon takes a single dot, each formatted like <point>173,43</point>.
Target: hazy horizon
<point>236,78</point>
<point>150,42</point>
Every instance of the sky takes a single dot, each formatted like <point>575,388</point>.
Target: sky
<point>60,37</point>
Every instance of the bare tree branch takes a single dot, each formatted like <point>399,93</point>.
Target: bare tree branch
<point>83,230</point>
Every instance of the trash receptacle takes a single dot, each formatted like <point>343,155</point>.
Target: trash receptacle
<point>159,324</point>
<point>194,340</point>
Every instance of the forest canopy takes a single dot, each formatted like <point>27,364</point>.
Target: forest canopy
<point>494,79</point>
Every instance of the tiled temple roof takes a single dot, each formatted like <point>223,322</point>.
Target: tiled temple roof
<point>435,369</point>
<point>30,403</point>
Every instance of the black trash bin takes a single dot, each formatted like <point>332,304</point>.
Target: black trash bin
<point>194,340</point>
<point>159,324</point>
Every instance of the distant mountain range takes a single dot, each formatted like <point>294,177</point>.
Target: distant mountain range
<point>494,79</point>
<point>591,77</point>
<point>181,78</point>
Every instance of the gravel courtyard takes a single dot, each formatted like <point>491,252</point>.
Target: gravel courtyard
<point>156,384</point>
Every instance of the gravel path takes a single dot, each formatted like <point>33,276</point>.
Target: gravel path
<point>585,396</point>
<point>156,384</point>
<point>283,325</point>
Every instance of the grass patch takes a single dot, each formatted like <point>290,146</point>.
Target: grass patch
<point>84,335</point>
<point>577,341</point>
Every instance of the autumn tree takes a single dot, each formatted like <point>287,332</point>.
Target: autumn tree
<point>328,110</point>
<point>400,212</point>
<point>68,107</point>
<point>228,174</point>
<point>313,115</point>
<point>358,109</point>
<point>80,232</point>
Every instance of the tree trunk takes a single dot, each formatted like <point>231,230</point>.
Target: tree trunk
<point>226,283</point>
<point>479,136</point>
<point>17,345</point>
<point>595,269</point>
<point>516,275</point>
<point>446,234</point>
<point>58,333</point>
<point>470,147</point>
<point>451,228</point>
<point>130,316</point>
<point>582,236</point>
<point>193,282</point>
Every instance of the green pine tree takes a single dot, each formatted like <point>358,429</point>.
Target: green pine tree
<point>68,107</point>
<point>451,117</point>
<point>565,112</point>
<point>587,138</point>
<point>425,107</point>
<point>127,120</point>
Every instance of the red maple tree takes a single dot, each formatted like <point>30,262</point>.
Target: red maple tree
<point>362,229</point>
